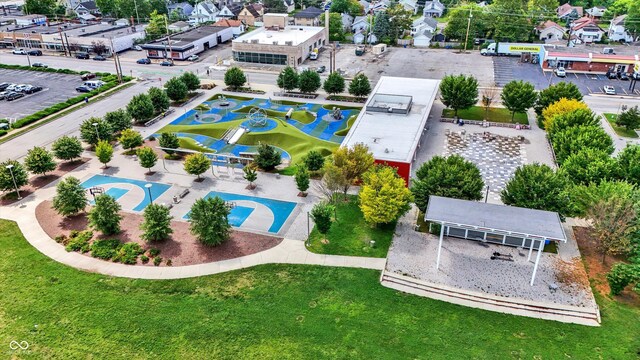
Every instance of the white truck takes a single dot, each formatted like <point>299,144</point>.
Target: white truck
<point>510,49</point>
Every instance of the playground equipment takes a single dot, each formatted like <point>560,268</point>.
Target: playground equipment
<point>336,114</point>
<point>222,101</point>
<point>257,117</point>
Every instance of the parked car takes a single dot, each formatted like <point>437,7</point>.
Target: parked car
<point>82,55</point>
<point>144,61</point>
<point>35,53</point>
<point>608,51</point>
<point>30,89</point>
<point>11,87</point>
<point>321,69</point>
<point>611,75</point>
<point>4,94</point>
<point>14,95</point>
<point>561,72</point>
<point>193,58</point>
<point>83,89</point>
<point>4,85</point>
<point>21,87</point>
<point>623,76</point>
<point>166,63</point>
<point>137,48</point>
<point>609,90</point>
<point>19,52</point>
<point>99,58</point>
<point>40,65</point>
<point>87,76</point>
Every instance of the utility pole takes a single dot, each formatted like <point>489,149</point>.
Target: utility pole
<point>115,62</point>
<point>135,3</point>
<point>466,39</point>
<point>62,41</point>
<point>166,25</point>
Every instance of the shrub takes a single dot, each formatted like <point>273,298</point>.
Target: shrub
<point>157,261</point>
<point>105,249</point>
<point>79,241</point>
<point>157,223</point>
<point>321,215</point>
<point>169,141</point>
<point>61,239</point>
<point>154,252</point>
<point>622,275</point>
<point>128,253</point>
<point>314,160</point>
<point>169,262</point>
<point>130,139</point>
<point>144,259</point>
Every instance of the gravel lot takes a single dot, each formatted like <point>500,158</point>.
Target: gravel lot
<point>57,88</point>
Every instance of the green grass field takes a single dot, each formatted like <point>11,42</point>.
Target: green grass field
<point>350,234</point>
<point>495,114</point>
<point>611,118</point>
<point>270,312</point>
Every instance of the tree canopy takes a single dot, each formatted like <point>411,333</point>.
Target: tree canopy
<point>334,84</point>
<point>234,78</point>
<point>39,161</point>
<point>177,90</point>
<point>91,134</point>
<point>589,165</point>
<point>209,220</point>
<point>19,175</point>
<point>459,92</point>
<point>71,197</point>
<point>560,107</point>
<point>288,79</point>
<point>360,86</point>
<point>576,138</point>
<point>67,148</point>
<point>384,196</point>
<point>104,216</point>
<point>518,96</point>
<point>629,119</point>
<point>309,81</point>
<point>157,223</point>
<point>141,108</point>
<point>196,164</point>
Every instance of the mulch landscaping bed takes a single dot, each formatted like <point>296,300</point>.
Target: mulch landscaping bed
<point>596,270</point>
<point>40,181</point>
<point>182,247</point>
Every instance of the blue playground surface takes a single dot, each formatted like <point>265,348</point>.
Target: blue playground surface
<point>99,180</point>
<point>281,210</point>
<point>221,146</point>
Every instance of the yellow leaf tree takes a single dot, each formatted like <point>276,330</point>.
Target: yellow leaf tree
<point>560,107</point>
<point>384,196</point>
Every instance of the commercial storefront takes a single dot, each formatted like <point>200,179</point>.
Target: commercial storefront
<point>588,62</point>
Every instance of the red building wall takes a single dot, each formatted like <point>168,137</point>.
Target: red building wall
<point>404,169</point>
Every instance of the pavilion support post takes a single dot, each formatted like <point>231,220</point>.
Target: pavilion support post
<point>535,266</point>
<point>530,250</point>
<point>440,246</point>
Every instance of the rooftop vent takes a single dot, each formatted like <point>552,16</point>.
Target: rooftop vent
<point>289,43</point>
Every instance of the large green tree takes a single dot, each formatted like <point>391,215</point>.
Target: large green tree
<point>459,92</point>
<point>177,90</point>
<point>209,220</point>
<point>629,118</point>
<point>579,117</point>
<point>458,20</point>
<point>191,80</point>
<point>384,196</point>
<point>19,175</point>
<point>537,186</point>
<point>628,164</point>
<point>360,86</point>
<point>510,20</point>
<point>40,7</point>
<point>157,26</point>
<point>288,79</point>
<point>39,161</point>
<point>336,27</point>
<point>382,27</point>
<point>589,165</point>
<point>91,133</point>
<point>234,77</point>
<point>196,164</point>
<point>542,10</point>
<point>104,216</point>
<point>632,21</point>
<point>451,176</point>
<point>67,148</point>
<point>553,93</point>
<point>71,197</point>
<point>351,7</point>
<point>141,108</point>
<point>518,96</point>
<point>309,81</point>
<point>576,138</point>
<point>352,162</point>
<point>159,99</point>
<point>157,223</point>
<point>119,119</point>
<point>401,21</point>
<point>334,84</point>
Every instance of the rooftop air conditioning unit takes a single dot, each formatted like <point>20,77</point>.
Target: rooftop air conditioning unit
<point>254,41</point>
<point>275,43</point>
<point>289,43</point>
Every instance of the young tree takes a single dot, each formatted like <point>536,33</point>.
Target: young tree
<point>67,148</point>
<point>268,157</point>
<point>104,216</point>
<point>169,141</point>
<point>91,134</point>
<point>130,139</point>
<point>196,164</point>
<point>147,157</point>
<point>314,160</point>
<point>518,96</point>
<point>459,92</point>
<point>104,152</point>
<point>360,86</point>
<point>579,117</point>
<point>302,179</point>
<point>234,78</point>
<point>589,165</point>
<point>141,108</point>
<point>488,96</point>
<point>630,118</point>
<point>553,94</point>
<point>309,81</point>
<point>321,214</point>
<point>537,186</point>
<point>157,223</point>
<point>560,107</point>
<point>352,162</point>
<point>250,175</point>
<point>451,176</point>
<point>384,196</point>
<point>336,27</point>
<point>209,220</point>
<point>39,161</point>
<point>614,224</point>
<point>177,90</point>
<point>288,79</point>
<point>333,181</point>
<point>628,164</point>
<point>576,138</point>
<point>191,80</point>
<point>159,99</point>
<point>118,120</point>
<point>19,174</point>
<point>334,84</point>
<point>71,197</point>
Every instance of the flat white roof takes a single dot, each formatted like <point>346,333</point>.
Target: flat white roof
<point>296,34</point>
<point>394,136</point>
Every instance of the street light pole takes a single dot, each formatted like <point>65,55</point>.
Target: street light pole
<point>95,125</point>
<point>148,186</point>
<point>466,39</point>
<point>10,167</point>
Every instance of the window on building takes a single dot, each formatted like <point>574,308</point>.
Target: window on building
<point>260,58</point>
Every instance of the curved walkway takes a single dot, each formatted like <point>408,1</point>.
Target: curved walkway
<point>287,252</point>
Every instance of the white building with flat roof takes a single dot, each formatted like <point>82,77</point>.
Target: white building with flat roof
<point>393,121</point>
<point>290,45</point>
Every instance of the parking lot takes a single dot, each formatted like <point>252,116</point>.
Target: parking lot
<point>510,68</point>
<point>56,88</point>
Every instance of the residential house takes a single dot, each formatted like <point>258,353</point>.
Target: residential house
<point>433,8</point>
<point>204,12</point>
<point>569,13</point>
<point>360,24</point>
<point>182,9</point>
<point>424,23</point>
<point>366,6</point>
<point>379,6</point>
<point>237,26</point>
<point>347,21</point>
<point>290,5</point>
<point>596,12</point>
<point>308,17</point>
<point>179,26</point>
<point>359,38</point>
<point>410,5</point>
<point>423,38</point>
<point>87,8</point>
<point>586,30</point>
<point>549,31</point>
<point>251,13</point>
<point>230,11</point>
<point>617,31</point>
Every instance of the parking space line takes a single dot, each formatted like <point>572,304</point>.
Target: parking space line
<point>624,91</point>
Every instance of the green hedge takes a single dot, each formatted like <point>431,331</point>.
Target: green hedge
<point>3,132</point>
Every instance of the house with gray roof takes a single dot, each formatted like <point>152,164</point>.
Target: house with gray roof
<point>433,8</point>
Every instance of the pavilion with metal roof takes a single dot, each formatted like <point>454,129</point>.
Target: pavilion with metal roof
<point>497,224</point>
